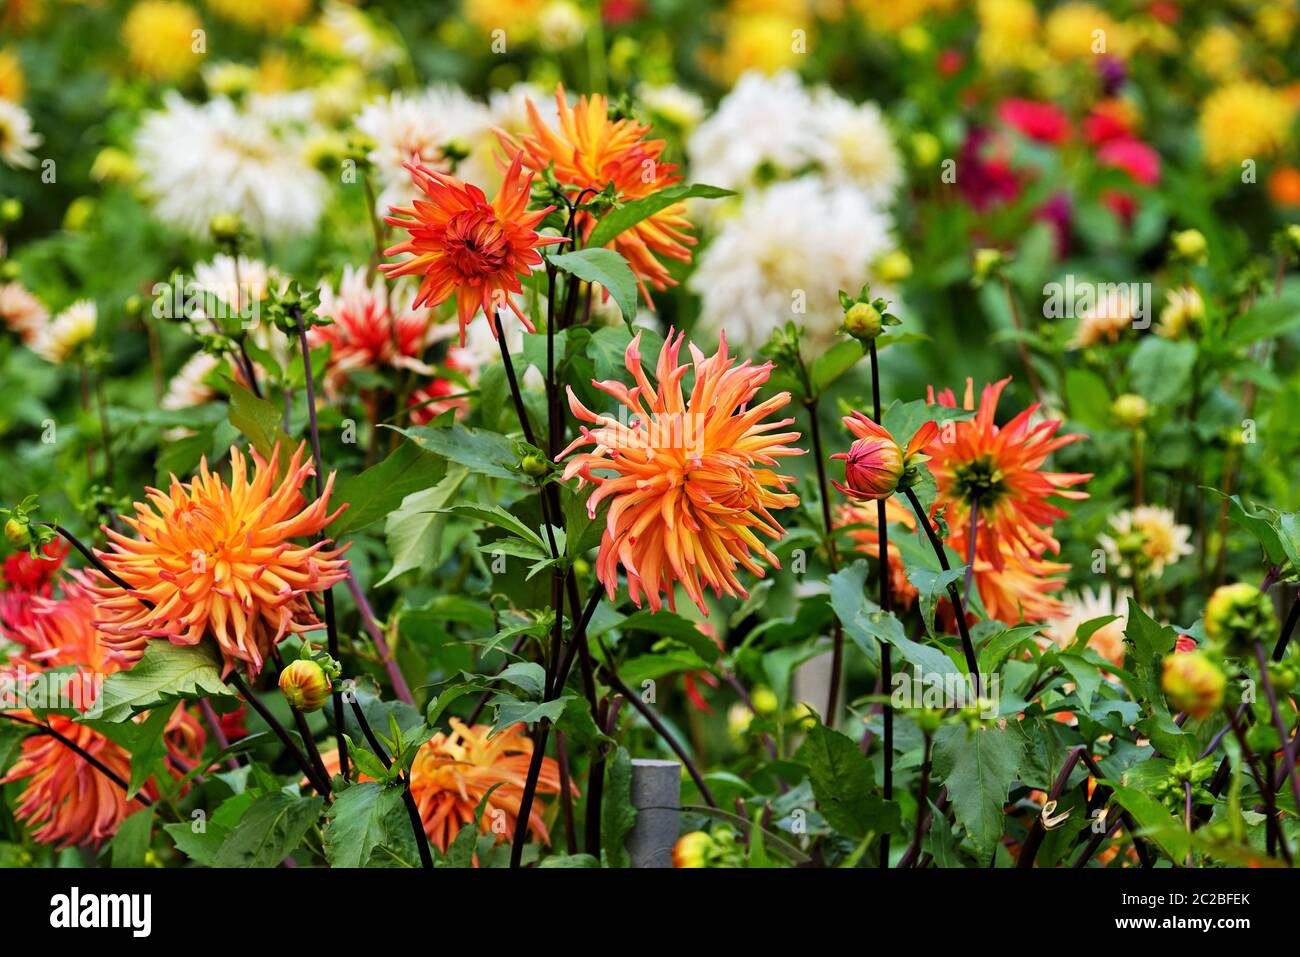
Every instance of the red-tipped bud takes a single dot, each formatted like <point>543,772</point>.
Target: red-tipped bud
<point>305,685</point>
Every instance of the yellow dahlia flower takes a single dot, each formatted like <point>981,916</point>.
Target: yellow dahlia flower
<point>1244,120</point>
<point>517,17</point>
<point>1008,36</point>
<point>274,16</point>
<point>1070,33</point>
<point>221,559</point>
<point>12,85</point>
<point>160,39</point>
<point>688,491</point>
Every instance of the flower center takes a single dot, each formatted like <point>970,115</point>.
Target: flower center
<point>980,479</point>
<point>476,244</point>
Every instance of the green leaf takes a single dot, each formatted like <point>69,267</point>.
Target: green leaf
<point>1160,368</point>
<point>412,530</point>
<point>149,749</point>
<point>498,516</point>
<point>269,831</point>
<point>932,585</point>
<point>358,822</point>
<point>866,624</point>
<point>978,768</point>
<point>570,860</point>
<point>833,363</point>
<point>617,815</point>
<point>199,846</point>
<point>480,451</point>
<point>166,673</point>
<point>131,842</point>
<point>843,782</point>
<point>1152,819</point>
<point>606,267</point>
<point>510,710</point>
<point>1087,398</point>
<point>528,676</point>
<point>669,624</point>
<point>381,488</point>
<point>259,421</point>
<point>624,217</point>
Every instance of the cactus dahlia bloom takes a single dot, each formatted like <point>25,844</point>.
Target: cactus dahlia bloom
<point>453,771</point>
<point>1018,588</point>
<point>1001,469</point>
<point>211,557</point>
<point>68,801</point>
<point>462,245</point>
<point>590,151</point>
<point>370,329</point>
<point>690,486</point>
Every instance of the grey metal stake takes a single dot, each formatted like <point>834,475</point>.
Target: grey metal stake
<point>657,796</point>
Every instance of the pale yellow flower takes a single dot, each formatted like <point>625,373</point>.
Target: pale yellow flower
<point>74,327</point>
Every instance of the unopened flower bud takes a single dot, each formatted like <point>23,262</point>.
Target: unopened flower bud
<point>533,465</point>
<point>765,700</point>
<point>987,264</point>
<point>894,267</point>
<point>305,685</point>
<point>1130,410</point>
<point>18,532</point>
<point>1193,683</point>
<point>1190,246</point>
<point>872,468</point>
<point>692,850</point>
<point>11,210</point>
<point>226,228</point>
<point>863,321</point>
<point>1238,615</point>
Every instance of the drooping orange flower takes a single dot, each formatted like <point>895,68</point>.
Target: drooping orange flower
<point>1002,469</point>
<point>862,527</point>
<point>222,559</point>
<point>70,802</point>
<point>1019,588</point>
<point>23,578</point>
<point>462,245</point>
<point>67,800</point>
<point>60,632</point>
<point>453,771</point>
<point>689,490</point>
<point>591,150</point>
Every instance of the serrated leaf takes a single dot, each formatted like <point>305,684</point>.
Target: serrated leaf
<point>617,815</point>
<point>382,488</point>
<point>165,674</point>
<point>843,782</point>
<point>480,451</point>
<point>358,822</point>
<point>269,831</point>
<point>259,421</point>
<point>604,266</point>
<point>978,769</point>
<point>623,218</point>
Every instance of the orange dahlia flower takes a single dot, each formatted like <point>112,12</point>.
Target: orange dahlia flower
<point>67,800</point>
<point>462,245</point>
<point>688,491</point>
<point>453,771</point>
<point>1020,587</point>
<point>1002,469</point>
<point>590,151</point>
<point>70,802</point>
<point>61,632</point>
<point>222,559</point>
<point>860,523</point>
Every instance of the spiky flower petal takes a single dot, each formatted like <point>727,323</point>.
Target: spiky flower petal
<point>212,558</point>
<point>690,486</point>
